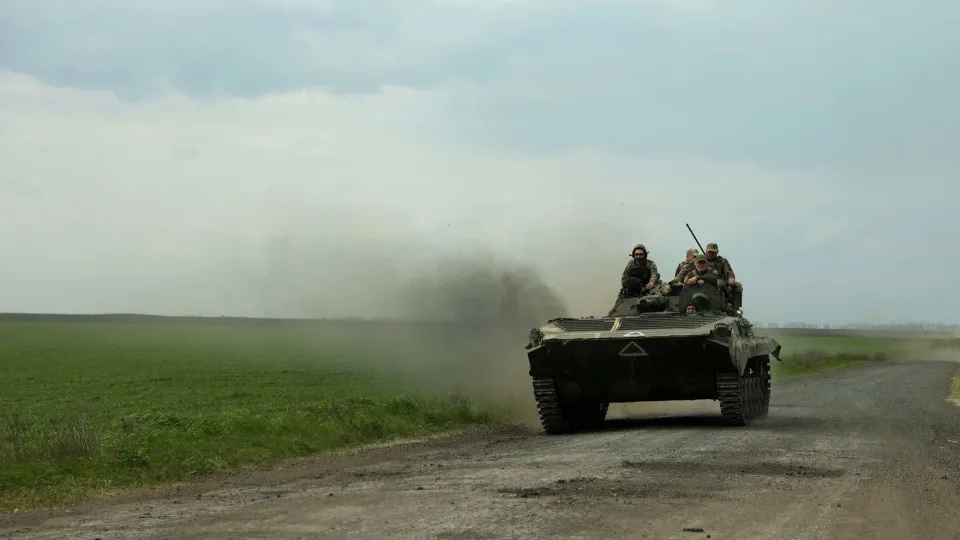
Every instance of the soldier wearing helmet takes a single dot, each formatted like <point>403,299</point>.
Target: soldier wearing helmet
<point>640,275</point>
<point>723,268</point>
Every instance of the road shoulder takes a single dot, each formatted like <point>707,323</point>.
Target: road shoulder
<point>286,472</point>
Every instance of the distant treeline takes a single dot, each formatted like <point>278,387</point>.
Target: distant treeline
<point>905,327</point>
<point>134,318</point>
<point>857,332</point>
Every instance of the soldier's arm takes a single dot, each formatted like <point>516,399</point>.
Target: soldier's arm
<point>654,273</point>
<point>711,278</point>
<point>679,272</point>
<point>727,269</point>
<point>631,283</point>
<point>627,281</point>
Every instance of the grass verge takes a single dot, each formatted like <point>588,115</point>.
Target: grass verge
<point>955,390</point>
<point>806,354</point>
<point>812,362</point>
<point>92,409</point>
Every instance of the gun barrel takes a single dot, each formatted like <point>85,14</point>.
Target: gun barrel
<point>695,239</point>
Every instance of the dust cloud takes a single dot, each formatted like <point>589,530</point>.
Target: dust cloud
<point>448,322</point>
<point>932,347</point>
<point>663,408</point>
<point>486,310</point>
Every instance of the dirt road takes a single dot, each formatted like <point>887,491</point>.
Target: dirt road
<point>866,453</point>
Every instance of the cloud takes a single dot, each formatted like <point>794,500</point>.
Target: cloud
<point>213,47</point>
<point>178,157</point>
<point>861,86</point>
<point>847,86</point>
<point>178,205</point>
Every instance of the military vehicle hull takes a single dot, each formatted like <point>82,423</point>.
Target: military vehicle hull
<point>581,365</point>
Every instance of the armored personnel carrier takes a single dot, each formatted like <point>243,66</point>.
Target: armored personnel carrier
<point>688,345</point>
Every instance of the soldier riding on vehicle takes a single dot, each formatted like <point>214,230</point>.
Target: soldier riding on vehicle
<point>682,268</point>
<point>640,276</point>
<point>701,273</point>
<point>685,264</point>
<point>723,268</point>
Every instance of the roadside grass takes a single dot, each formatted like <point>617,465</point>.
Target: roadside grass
<point>95,409</point>
<point>812,362</point>
<point>808,355</point>
<point>955,390</point>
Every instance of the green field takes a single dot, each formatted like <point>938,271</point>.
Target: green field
<point>93,408</point>
<point>814,351</point>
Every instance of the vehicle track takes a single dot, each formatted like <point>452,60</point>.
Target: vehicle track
<point>871,452</point>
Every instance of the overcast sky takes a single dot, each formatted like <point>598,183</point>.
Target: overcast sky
<point>180,156</point>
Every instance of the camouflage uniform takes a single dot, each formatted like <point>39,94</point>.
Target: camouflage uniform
<point>684,266</point>
<point>637,274</point>
<point>709,274</point>
<point>723,268</point>
<point>663,288</point>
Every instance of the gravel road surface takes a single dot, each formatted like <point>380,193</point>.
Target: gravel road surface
<point>871,452</point>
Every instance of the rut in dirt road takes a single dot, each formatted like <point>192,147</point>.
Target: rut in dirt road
<point>871,452</point>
